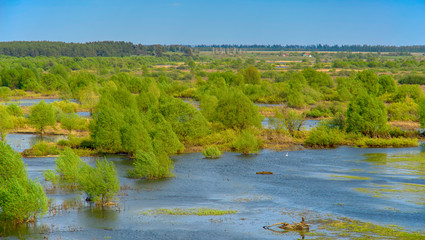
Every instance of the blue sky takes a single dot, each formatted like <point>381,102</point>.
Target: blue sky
<point>389,22</point>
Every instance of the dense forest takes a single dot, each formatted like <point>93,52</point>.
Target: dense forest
<point>90,49</point>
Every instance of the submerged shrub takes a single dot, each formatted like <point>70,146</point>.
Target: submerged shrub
<point>67,168</point>
<point>212,152</point>
<point>151,166</point>
<point>100,183</point>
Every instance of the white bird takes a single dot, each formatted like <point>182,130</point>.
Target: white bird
<point>286,154</point>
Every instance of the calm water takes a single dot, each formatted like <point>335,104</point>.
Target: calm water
<point>303,182</point>
<point>30,102</point>
<point>307,125</point>
<point>20,142</point>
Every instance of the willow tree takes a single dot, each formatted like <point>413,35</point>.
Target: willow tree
<point>41,116</point>
<point>366,114</point>
<point>21,199</point>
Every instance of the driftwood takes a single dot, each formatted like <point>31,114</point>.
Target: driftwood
<point>263,172</point>
<point>301,226</point>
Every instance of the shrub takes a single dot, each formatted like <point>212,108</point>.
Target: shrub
<point>403,111</point>
<point>246,143</point>
<point>324,137</point>
<point>42,148</point>
<point>212,152</point>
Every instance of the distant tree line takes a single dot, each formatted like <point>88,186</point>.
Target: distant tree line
<point>318,47</point>
<point>90,49</point>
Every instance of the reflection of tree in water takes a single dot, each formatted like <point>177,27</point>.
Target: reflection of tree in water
<point>11,229</point>
<point>89,217</point>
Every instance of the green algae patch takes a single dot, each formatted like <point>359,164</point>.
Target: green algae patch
<point>408,192</point>
<point>188,211</point>
<point>400,164</point>
<point>345,228</point>
<point>348,177</point>
<point>407,163</point>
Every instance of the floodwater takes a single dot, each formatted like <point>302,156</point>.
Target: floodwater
<point>30,102</point>
<point>20,142</point>
<point>304,183</point>
<point>307,124</point>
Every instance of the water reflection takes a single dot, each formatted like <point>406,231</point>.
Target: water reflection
<point>99,218</point>
<point>21,142</point>
<point>307,124</point>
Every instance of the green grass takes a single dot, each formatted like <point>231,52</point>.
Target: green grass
<point>188,211</point>
<point>383,142</point>
<point>344,228</point>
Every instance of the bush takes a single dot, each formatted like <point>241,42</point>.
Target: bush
<point>403,111</point>
<point>324,137</point>
<point>42,148</point>
<point>246,143</point>
<point>212,152</point>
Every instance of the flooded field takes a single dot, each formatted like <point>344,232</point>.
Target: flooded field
<point>315,184</point>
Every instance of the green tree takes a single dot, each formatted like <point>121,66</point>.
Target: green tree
<point>72,121</point>
<point>134,135</point>
<point>187,122</point>
<point>252,75</point>
<point>100,183</point>
<point>366,114</point>
<point>151,166</point>
<point>67,169</point>
<point>41,116</point>
<point>6,123</point>
<point>164,140</point>
<point>105,128</point>
<point>287,119</point>
<point>386,84</point>
<point>370,81</point>
<point>236,110</point>
<point>21,199</point>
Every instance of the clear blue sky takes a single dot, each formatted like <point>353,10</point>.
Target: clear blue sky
<point>386,22</point>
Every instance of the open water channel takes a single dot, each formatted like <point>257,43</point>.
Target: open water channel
<point>310,183</point>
